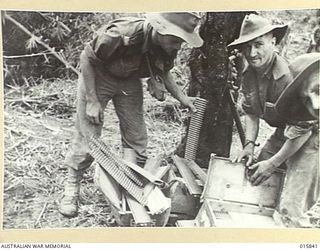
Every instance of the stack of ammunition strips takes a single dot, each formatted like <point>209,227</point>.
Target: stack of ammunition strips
<point>118,170</point>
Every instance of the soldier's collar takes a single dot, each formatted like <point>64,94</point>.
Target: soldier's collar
<point>268,72</point>
<point>280,67</point>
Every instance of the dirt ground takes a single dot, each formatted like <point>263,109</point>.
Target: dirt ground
<point>34,153</point>
<point>38,129</point>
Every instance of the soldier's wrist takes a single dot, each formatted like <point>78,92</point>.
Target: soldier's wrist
<point>184,100</point>
<point>274,164</point>
<point>92,99</point>
<point>250,143</point>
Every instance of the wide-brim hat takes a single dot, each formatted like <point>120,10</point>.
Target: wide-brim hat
<point>181,24</point>
<point>289,105</point>
<point>254,26</point>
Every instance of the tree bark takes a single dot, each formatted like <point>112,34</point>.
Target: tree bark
<point>209,72</point>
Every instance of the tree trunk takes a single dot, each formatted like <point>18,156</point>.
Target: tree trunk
<point>209,72</point>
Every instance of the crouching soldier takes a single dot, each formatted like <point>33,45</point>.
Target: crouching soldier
<point>264,79</point>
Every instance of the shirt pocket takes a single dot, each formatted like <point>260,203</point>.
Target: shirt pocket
<point>124,67</point>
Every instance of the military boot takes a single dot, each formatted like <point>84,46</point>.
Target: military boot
<point>69,202</point>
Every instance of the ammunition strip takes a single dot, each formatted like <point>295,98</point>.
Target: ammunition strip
<point>109,165</point>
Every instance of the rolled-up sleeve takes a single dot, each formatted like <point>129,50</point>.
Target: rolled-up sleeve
<point>297,130</point>
<point>104,44</point>
<point>168,64</point>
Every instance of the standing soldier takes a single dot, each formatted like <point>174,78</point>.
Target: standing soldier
<point>264,79</point>
<point>124,51</point>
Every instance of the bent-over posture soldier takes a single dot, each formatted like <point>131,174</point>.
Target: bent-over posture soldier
<point>123,52</point>
<point>299,105</point>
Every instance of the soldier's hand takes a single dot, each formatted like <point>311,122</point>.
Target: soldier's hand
<point>245,155</point>
<point>94,112</point>
<point>262,171</point>
<point>189,102</point>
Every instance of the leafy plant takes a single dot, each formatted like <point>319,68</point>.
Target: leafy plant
<point>66,32</point>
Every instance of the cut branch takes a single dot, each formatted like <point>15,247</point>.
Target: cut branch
<point>28,55</point>
<point>38,40</point>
